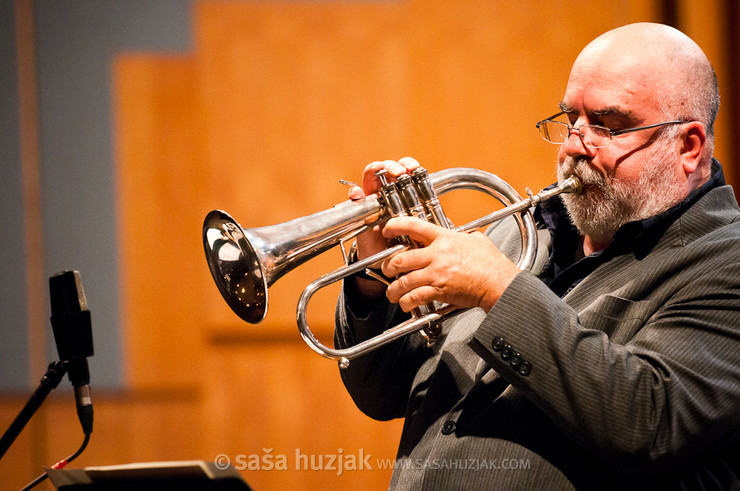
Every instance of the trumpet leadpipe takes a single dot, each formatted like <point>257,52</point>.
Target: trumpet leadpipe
<point>570,185</point>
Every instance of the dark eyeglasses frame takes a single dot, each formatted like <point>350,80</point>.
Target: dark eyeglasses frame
<point>612,133</point>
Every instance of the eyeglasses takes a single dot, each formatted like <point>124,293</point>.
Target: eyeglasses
<point>592,135</point>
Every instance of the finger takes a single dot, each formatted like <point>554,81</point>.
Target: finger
<point>394,168</point>
<point>406,283</point>
<point>409,163</point>
<point>419,230</point>
<point>370,180</point>
<point>416,297</point>
<point>406,262</point>
<point>355,193</point>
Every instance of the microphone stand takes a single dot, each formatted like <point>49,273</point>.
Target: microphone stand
<point>49,382</point>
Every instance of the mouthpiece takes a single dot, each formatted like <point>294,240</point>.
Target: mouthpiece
<point>572,185</point>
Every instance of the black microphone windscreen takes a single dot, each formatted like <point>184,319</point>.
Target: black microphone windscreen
<point>70,318</point>
<point>67,294</point>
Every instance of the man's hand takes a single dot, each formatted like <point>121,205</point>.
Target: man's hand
<point>457,268</point>
<point>372,242</point>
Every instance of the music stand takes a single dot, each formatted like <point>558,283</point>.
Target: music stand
<point>195,475</point>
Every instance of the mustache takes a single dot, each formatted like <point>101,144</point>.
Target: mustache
<point>581,169</point>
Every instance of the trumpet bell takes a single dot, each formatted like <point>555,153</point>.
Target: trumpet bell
<point>235,266</point>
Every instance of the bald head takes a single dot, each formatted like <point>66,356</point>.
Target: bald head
<point>645,39</point>
<point>662,62</point>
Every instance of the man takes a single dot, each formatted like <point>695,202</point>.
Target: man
<point>614,363</point>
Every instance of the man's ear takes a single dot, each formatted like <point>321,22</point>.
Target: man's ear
<point>691,149</point>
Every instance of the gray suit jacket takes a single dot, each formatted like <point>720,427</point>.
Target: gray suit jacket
<point>631,381</point>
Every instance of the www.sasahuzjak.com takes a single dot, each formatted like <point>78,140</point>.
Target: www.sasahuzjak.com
<point>341,462</point>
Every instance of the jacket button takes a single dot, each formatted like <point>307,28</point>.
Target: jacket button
<point>525,368</point>
<point>497,344</point>
<point>516,360</point>
<point>506,352</point>
<point>448,427</point>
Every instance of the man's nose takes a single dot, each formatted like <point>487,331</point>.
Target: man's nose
<point>575,145</point>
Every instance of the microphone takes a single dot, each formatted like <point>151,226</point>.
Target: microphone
<point>70,321</point>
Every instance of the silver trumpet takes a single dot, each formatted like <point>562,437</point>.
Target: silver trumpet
<point>244,263</point>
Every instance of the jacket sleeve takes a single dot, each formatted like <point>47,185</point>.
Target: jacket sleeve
<point>667,392</point>
<point>379,381</point>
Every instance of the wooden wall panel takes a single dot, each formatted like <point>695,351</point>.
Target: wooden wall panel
<point>277,101</point>
<point>17,465</point>
<point>159,145</point>
<point>280,399</point>
<point>297,95</point>
<point>706,25</point>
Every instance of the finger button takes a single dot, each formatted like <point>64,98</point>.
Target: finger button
<point>497,344</point>
<point>506,352</point>
<point>448,427</point>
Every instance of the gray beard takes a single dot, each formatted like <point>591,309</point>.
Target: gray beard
<point>605,204</point>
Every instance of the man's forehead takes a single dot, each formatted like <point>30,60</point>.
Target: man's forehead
<point>618,91</point>
<point>619,74</point>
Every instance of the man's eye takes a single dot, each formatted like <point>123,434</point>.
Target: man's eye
<point>614,123</point>
<point>599,122</point>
